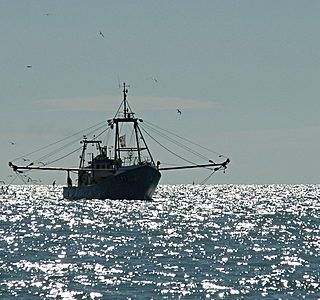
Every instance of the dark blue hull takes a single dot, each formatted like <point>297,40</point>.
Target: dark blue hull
<point>135,182</point>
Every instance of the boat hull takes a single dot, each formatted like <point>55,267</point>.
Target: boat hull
<point>135,182</point>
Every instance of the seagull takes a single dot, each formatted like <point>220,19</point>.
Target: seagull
<point>101,33</point>
<point>47,14</point>
<point>153,79</point>
<point>179,111</point>
<point>29,67</point>
<point>12,143</point>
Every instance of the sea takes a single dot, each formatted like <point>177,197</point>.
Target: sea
<point>189,242</point>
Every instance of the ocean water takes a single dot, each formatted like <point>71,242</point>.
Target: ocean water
<point>190,242</point>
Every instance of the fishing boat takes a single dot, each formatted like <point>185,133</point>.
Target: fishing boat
<point>130,172</point>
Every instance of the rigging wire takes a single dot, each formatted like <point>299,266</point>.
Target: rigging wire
<point>167,148</point>
<point>51,162</point>
<point>206,179</point>
<point>101,133</point>
<point>35,151</point>
<point>107,137</point>
<point>177,143</point>
<point>120,107</point>
<point>220,155</point>
<point>64,147</point>
<point>59,149</point>
<point>13,179</point>
<point>54,152</point>
<point>181,145</point>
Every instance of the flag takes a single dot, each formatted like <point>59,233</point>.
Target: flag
<point>122,140</point>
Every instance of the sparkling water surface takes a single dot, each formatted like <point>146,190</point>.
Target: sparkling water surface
<point>190,242</point>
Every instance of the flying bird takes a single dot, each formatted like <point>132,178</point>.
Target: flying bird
<point>101,33</point>
<point>12,143</point>
<point>152,79</point>
<point>47,14</point>
<point>29,67</point>
<point>179,111</point>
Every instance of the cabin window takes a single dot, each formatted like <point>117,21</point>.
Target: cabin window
<point>103,166</point>
<point>98,166</point>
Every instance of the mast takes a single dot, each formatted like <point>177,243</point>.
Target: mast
<point>137,140</point>
<point>127,116</point>
<point>116,121</point>
<point>85,142</point>
<point>82,157</point>
<point>125,91</point>
<point>116,143</point>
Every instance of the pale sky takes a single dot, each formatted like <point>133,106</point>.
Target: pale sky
<point>245,75</point>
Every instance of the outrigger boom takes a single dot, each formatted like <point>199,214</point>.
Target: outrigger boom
<point>16,168</point>
<point>217,167</point>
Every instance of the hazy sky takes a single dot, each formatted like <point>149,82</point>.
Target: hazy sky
<point>244,73</point>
